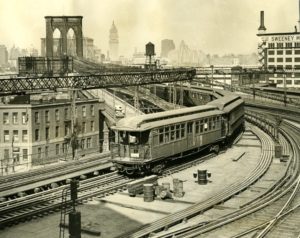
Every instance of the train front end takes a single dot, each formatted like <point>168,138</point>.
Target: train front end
<point>131,150</point>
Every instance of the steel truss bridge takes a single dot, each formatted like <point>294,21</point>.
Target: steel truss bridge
<point>34,84</point>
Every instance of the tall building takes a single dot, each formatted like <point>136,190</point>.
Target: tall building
<point>166,46</point>
<point>35,129</point>
<point>3,55</point>
<point>113,43</point>
<point>280,51</point>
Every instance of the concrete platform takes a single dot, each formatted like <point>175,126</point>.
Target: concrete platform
<point>118,213</point>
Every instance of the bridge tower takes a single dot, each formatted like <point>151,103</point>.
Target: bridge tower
<point>64,24</point>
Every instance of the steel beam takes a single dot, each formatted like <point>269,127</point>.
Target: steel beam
<point>32,84</point>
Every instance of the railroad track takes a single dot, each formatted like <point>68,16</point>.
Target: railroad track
<point>22,179</point>
<point>276,214</point>
<point>42,203</point>
<point>198,208</point>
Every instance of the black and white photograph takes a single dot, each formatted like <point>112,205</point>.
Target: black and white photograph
<point>150,119</point>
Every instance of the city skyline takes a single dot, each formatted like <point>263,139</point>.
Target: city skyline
<point>215,27</point>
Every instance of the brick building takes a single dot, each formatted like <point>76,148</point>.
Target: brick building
<point>36,129</point>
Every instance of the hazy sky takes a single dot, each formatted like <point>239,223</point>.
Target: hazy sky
<point>213,26</point>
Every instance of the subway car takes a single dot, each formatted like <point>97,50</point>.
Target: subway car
<point>145,143</point>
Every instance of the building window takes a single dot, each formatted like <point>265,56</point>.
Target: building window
<point>47,116</point>
<point>288,52</point>
<point>15,136</point>
<point>297,59</point>
<point>36,117</point>
<point>5,118</point>
<point>297,67</point>
<point>57,131</point>
<point>288,81</point>
<point>39,155</point>
<point>67,129</point>
<point>92,125</point>
<point>279,66</point>
<point>6,136</point>
<point>280,45</point>
<point>271,52</point>
<point>297,82</point>
<point>92,110</point>
<point>271,45</point>
<point>6,154</point>
<point>83,111</point>
<point>289,45</point>
<point>288,67</point>
<point>280,52</point>
<point>56,115</point>
<point>57,149</point>
<point>24,118</point>
<point>297,52</point>
<point>271,59</point>
<point>83,127</point>
<point>47,133</point>
<point>46,151</point>
<point>279,59</point>
<point>88,143</point>
<point>25,154</point>
<point>288,59</point>
<point>15,118</point>
<point>65,147</point>
<point>37,135</point>
<point>297,44</point>
<point>24,136</point>
<point>82,143</point>
<point>66,113</point>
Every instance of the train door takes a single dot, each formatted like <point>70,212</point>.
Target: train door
<point>190,134</point>
<point>224,126</point>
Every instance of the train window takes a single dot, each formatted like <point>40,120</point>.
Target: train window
<point>197,127</point>
<point>161,136</point>
<point>190,127</point>
<point>172,135</point>
<point>182,130</point>
<point>177,132</point>
<point>167,134</point>
<point>201,128</point>
<point>205,126</point>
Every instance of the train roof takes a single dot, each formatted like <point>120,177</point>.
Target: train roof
<point>227,103</point>
<point>149,121</point>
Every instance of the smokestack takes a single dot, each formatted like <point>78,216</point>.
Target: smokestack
<point>299,16</point>
<point>262,21</point>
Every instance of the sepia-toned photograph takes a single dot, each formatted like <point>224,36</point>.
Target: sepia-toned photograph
<point>150,119</point>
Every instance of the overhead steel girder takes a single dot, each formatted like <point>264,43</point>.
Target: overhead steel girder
<point>23,85</point>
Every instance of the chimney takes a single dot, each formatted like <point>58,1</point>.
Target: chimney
<point>299,17</point>
<point>262,21</point>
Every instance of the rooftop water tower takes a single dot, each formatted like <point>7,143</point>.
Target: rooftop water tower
<point>150,52</point>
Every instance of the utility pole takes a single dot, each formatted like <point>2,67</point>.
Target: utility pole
<point>212,76</point>
<point>284,88</point>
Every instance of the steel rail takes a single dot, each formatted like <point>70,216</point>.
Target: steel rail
<point>32,177</point>
<point>271,197</point>
<point>193,210</point>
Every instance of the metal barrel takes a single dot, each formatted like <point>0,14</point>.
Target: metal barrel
<point>148,192</point>
<point>166,186</point>
<point>202,177</point>
<point>178,188</point>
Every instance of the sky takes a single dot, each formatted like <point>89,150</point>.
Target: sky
<point>213,26</point>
